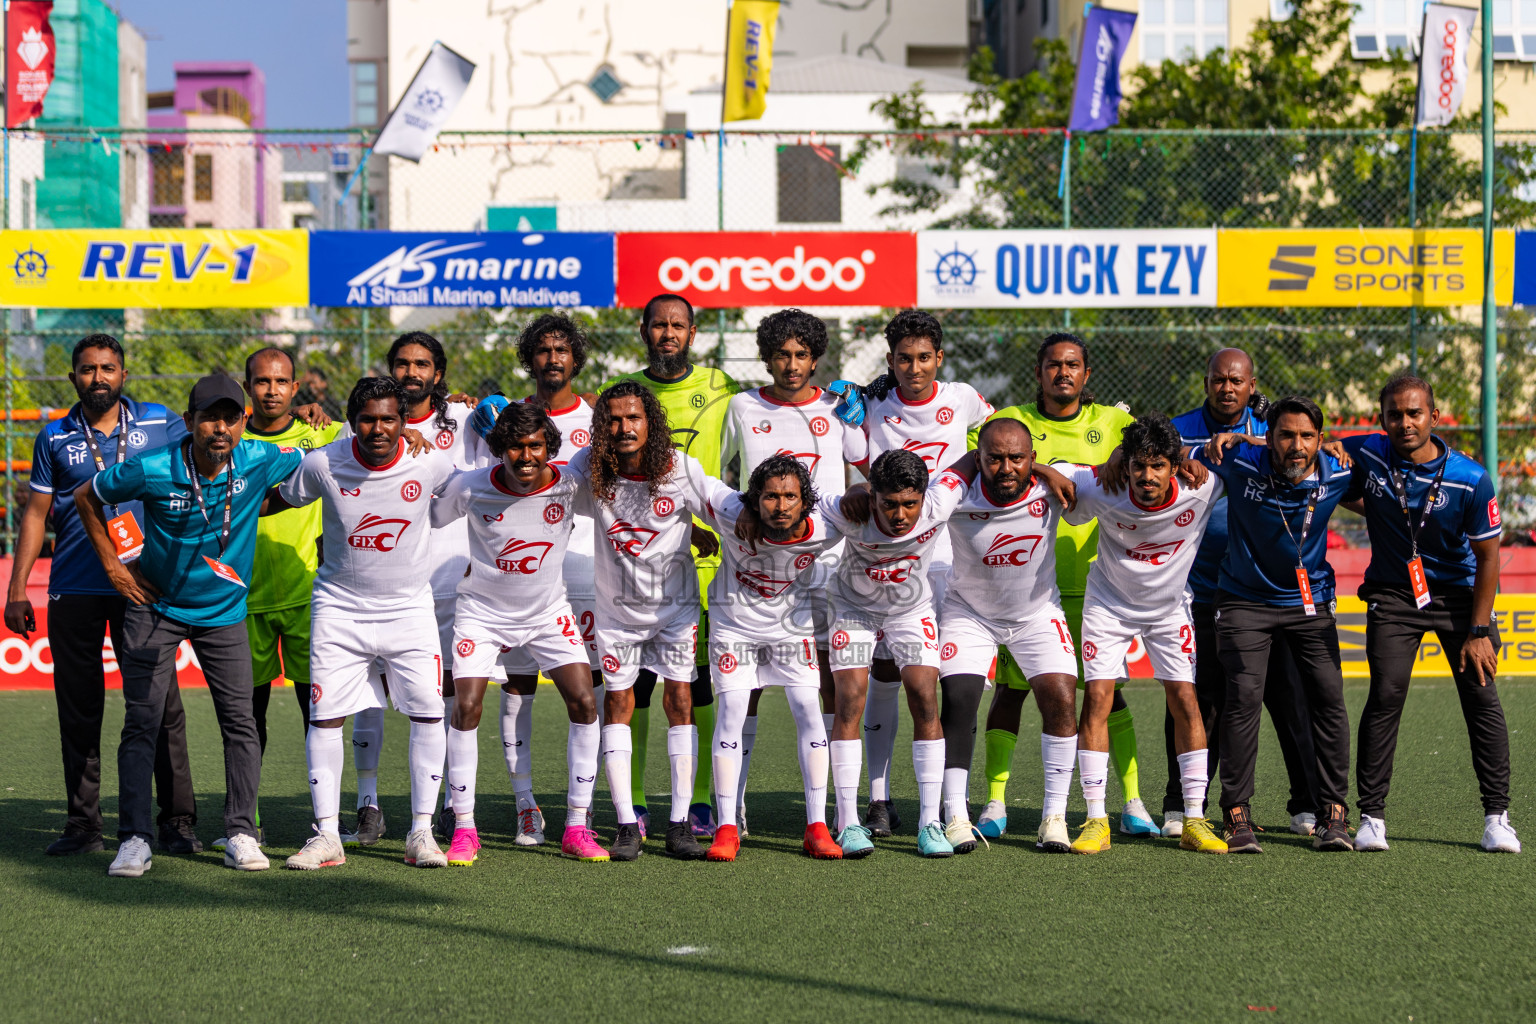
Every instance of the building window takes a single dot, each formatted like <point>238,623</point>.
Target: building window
<point>295,191</point>
<point>168,167</point>
<point>1384,27</point>
<point>365,93</point>
<point>167,220</point>
<point>1514,30</point>
<point>1182,30</point>
<point>810,187</point>
<point>605,83</point>
<point>202,177</point>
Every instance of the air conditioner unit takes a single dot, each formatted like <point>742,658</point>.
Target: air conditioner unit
<point>1367,46</point>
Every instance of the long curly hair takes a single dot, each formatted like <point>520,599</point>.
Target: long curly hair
<point>554,323</point>
<point>1059,338</point>
<point>439,393</point>
<point>655,456</point>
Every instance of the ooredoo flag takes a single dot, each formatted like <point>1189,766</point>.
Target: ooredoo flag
<point>428,102</point>
<point>1096,98</point>
<point>749,58</point>
<point>29,60</point>
<point>1446,38</point>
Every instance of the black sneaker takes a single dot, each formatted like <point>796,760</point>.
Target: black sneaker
<point>71,843</point>
<point>680,842</point>
<point>626,843</point>
<point>369,830</point>
<point>1239,832</point>
<point>178,837</point>
<point>881,819</point>
<point>1332,833</point>
<point>443,826</point>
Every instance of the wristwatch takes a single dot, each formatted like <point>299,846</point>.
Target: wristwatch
<point>1480,632</point>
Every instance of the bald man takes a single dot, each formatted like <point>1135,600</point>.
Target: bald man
<point>1233,404</point>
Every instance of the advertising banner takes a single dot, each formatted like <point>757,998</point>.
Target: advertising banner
<point>428,102</point>
<point>1096,96</point>
<point>1055,269</point>
<point>178,268</point>
<point>492,269</point>
<point>714,269</point>
<point>749,58</point>
<point>26,663</point>
<point>29,59</point>
<point>1525,268</point>
<point>1360,267</point>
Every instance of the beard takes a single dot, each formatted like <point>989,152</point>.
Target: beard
<point>97,400</point>
<point>669,365</point>
<point>1294,472</point>
<point>780,536</point>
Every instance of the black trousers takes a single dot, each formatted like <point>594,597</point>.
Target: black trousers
<point>1394,627</point>
<point>1246,633</point>
<point>1283,700</point>
<point>76,625</point>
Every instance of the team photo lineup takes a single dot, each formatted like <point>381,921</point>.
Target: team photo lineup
<point>673,538</point>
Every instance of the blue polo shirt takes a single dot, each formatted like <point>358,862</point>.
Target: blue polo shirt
<point>176,537</point>
<point>61,462</point>
<point>1196,427</point>
<point>1260,564</point>
<point>1465,510</point>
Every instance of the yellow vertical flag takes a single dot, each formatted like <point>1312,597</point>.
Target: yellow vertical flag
<point>748,58</point>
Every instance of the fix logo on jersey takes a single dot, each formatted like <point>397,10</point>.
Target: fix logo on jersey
<point>554,512</point>
<point>1184,518</point>
<point>1011,549</point>
<point>806,459</point>
<point>927,536</point>
<point>629,539</point>
<point>522,557</point>
<point>410,490</point>
<point>945,416</point>
<point>375,533</point>
<point>931,452</point>
<point>820,426</point>
<point>1154,553</point>
<point>761,582</point>
<point>892,570</point>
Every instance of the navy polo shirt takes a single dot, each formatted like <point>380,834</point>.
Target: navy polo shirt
<point>61,462</point>
<point>1196,428</point>
<point>1260,564</point>
<point>1465,510</point>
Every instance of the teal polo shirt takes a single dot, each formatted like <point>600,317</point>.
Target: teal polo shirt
<point>176,537</point>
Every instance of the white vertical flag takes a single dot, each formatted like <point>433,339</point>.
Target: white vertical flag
<point>1443,63</point>
<point>413,125</point>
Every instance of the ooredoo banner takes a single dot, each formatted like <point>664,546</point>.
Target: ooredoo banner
<point>1052,269</point>
<point>742,268</point>
<point>26,663</point>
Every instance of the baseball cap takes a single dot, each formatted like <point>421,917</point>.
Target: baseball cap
<point>213,389</point>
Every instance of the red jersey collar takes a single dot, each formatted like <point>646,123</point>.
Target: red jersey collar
<point>921,401</point>
<point>810,531</point>
<point>357,454</point>
<point>771,400</point>
<point>1173,494</point>
<point>498,470</point>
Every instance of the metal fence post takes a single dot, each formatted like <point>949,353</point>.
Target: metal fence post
<point>10,427</point>
<point>1066,203</point>
<point>1490,307</point>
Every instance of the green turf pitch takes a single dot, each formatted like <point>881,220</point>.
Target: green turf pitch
<point>1434,930</point>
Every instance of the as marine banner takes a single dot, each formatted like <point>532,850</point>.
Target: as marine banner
<point>173,268</point>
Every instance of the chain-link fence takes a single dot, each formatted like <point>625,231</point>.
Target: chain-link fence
<point>1150,359</point>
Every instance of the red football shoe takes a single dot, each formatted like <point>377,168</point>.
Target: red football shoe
<point>726,845</point>
<point>820,844</point>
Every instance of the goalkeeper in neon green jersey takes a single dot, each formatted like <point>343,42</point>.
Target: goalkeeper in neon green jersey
<point>1067,426</point>
<point>695,399</point>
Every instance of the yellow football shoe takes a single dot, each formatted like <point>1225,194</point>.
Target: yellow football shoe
<point>1094,838</point>
<point>1200,837</point>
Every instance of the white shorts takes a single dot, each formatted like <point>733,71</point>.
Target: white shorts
<point>1041,644</point>
<point>518,662</point>
<point>345,657</point>
<point>482,635</point>
<point>745,663</point>
<point>911,637</point>
<point>666,648</point>
<point>1169,640</point>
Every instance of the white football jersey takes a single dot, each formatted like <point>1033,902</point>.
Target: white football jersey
<point>1144,553</point>
<point>517,542</point>
<point>935,429</point>
<point>764,592</point>
<point>575,426</point>
<point>757,426</point>
<point>645,567</point>
<point>376,525</point>
<point>1005,555</point>
<point>880,573</point>
<point>448,555</point>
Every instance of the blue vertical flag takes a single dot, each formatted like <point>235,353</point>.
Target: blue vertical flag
<point>1096,99</point>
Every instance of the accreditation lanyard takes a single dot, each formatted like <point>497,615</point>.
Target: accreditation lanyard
<point>1416,577</point>
<point>1303,581</point>
<point>122,529</point>
<point>122,441</point>
<point>216,564</point>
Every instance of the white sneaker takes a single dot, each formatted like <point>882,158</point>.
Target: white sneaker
<point>133,858</point>
<point>530,825</point>
<point>1305,823</point>
<point>1498,835</point>
<point>324,850</point>
<point>1173,824</point>
<point>1371,835</point>
<point>993,822</point>
<point>242,854</point>
<point>422,851</point>
<point>1053,837</point>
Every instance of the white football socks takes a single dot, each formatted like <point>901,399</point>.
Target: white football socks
<point>428,749</point>
<point>1193,780</point>
<point>726,752</point>
<point>826,722</point>
<point>847,758</point>
<point>618,747</point>
<point>581,743</point>
<point>957,784</point>
<point>1093,767</point>
<point>448,703</point>
<point>682,742</point>
<point>463,765</point>
<point>928,766</point>
<point>325,754</point>
<point>881,709</point>
<point>367,745</point>
<point>748,739</point>
<point>1057,754</point>
<point>517,744</point>
<point>811,737</point>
